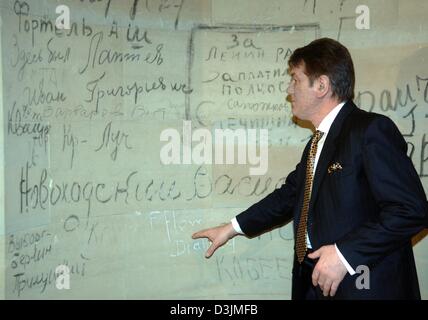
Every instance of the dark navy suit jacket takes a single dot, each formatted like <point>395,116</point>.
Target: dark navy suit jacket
<point>370,208</point>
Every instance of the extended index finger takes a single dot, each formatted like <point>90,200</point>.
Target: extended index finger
<point>200,234</point>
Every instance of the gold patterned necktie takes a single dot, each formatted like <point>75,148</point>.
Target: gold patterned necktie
<point>301,245</point>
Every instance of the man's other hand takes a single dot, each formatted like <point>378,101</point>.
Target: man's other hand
<point>329,270</point>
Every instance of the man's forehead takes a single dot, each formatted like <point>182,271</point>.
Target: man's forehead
<point>296,70</point>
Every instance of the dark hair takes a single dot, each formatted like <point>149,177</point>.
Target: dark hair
<point>327,57</point>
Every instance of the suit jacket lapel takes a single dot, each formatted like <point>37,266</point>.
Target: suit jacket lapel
<point>328,149</point>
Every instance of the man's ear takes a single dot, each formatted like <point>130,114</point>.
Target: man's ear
<point>322,85</point>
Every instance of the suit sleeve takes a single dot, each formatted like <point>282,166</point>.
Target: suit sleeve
<point>273,210</point>
<point>397,191</point>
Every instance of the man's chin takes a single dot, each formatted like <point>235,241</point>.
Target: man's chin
<point>293,111</point>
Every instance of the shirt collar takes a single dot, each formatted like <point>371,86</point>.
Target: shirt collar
<point>329,118</point>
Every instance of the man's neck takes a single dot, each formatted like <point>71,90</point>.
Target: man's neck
<point>323,111</point>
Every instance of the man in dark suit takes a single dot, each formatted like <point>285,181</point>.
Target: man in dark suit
<point>355,196</point>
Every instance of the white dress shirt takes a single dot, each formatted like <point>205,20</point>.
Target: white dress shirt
<point>324,126</point>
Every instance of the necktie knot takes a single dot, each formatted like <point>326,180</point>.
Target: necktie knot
<point>317,136</point>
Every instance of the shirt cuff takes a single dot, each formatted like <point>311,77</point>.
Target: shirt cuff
<point>342,258</point>
<point>236,226</point>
